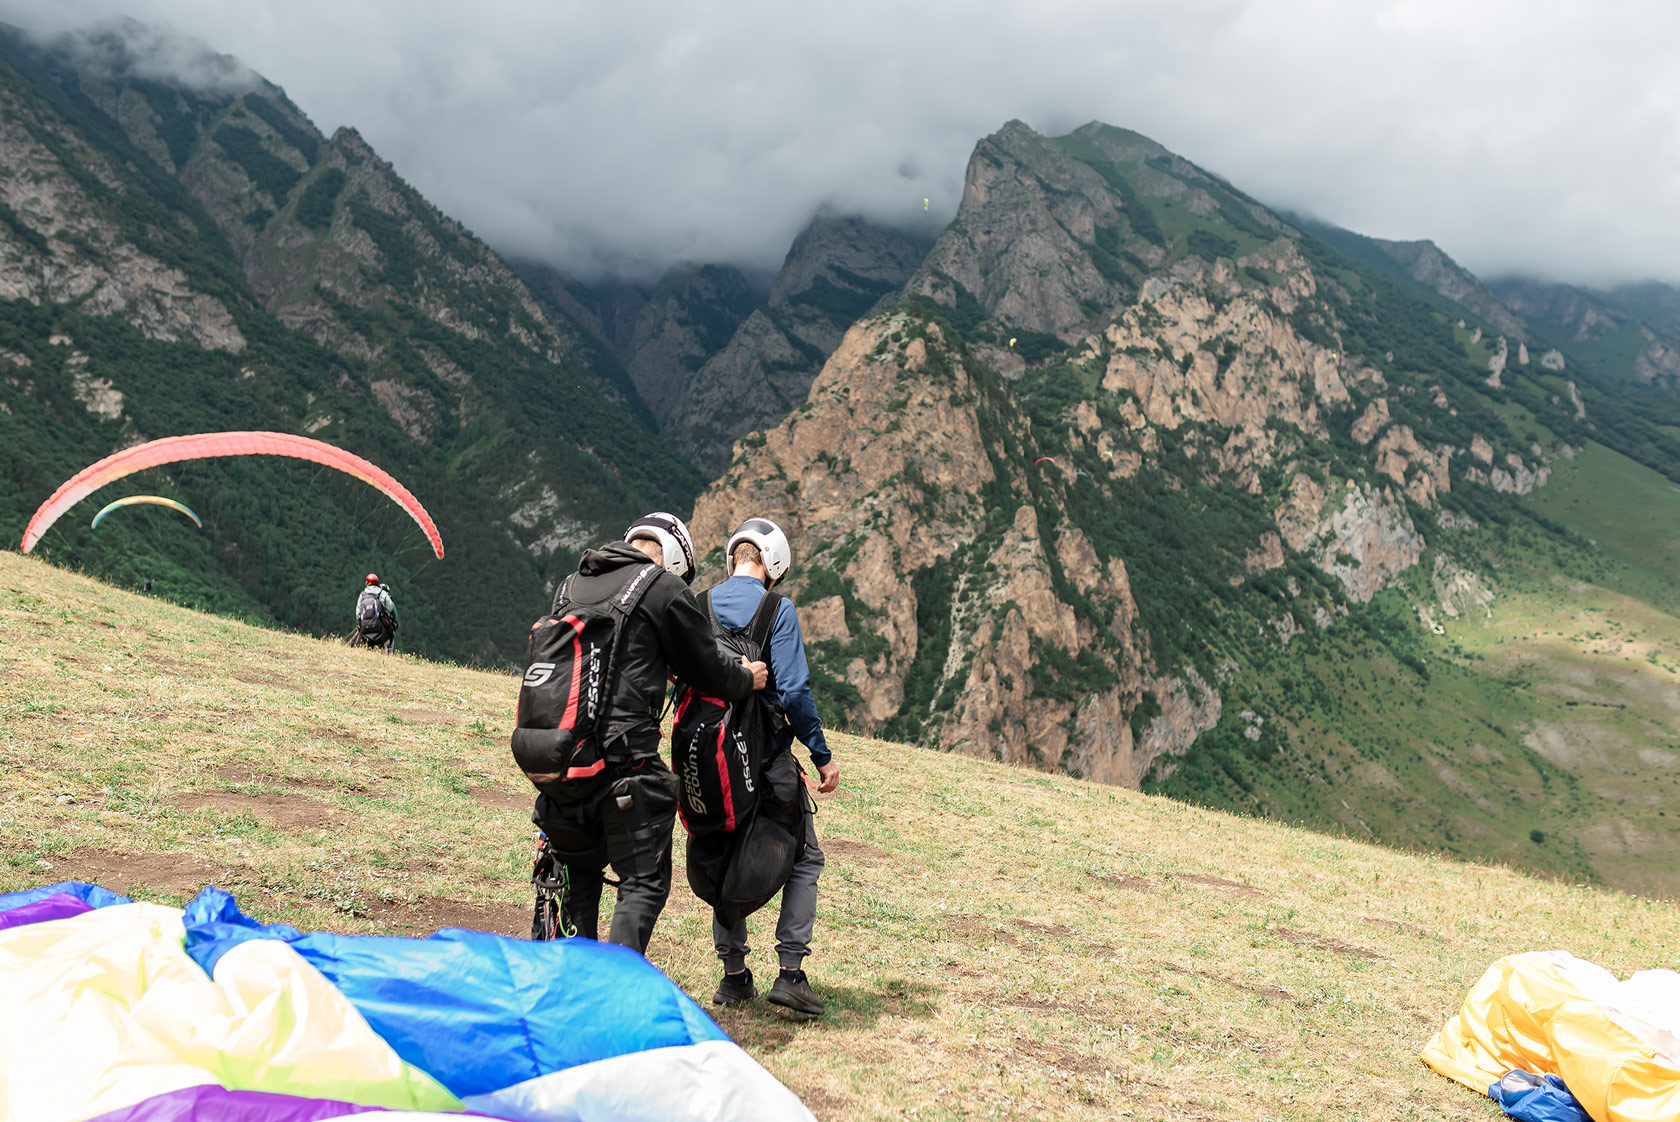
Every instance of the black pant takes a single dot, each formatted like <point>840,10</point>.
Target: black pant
<point>626,825</point>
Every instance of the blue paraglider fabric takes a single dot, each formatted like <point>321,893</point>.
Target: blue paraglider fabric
<point>1536,1098</point>
<point>479,1012</point>
<point>90,894</point>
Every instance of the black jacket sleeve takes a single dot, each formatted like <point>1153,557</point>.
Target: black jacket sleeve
<point>691,648</point>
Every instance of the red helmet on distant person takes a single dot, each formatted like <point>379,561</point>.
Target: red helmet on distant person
<point>372,578</point>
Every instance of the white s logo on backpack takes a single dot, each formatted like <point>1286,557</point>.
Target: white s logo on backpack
<point>538,673</point>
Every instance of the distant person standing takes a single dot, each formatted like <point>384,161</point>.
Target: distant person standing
<point>376,615</point>
<point>759,557</point>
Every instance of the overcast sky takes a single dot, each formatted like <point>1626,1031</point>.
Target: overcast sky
<point>1522,135</point>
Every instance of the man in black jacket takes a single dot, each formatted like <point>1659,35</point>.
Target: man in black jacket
<point>628,824</point>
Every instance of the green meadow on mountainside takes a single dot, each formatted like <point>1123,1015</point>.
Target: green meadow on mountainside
<point>992,942</point>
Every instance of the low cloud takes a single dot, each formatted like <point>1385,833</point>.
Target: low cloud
<point>1539,136</point>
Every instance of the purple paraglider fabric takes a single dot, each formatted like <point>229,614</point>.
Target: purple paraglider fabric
<point>218,1104</point>
<point>56,906</point>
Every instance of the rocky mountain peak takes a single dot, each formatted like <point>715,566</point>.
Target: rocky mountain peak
<point>1079,548</point>
<point>838,269</point>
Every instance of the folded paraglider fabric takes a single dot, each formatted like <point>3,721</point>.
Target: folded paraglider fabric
<point>1615,1044</point>
<point>143,1013</point>
<point>1536,1098</point>
<point>90,894</point>
<point>57,906</point>
<point>213,1103</point>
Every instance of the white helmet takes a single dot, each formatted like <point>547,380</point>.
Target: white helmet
<point>772,546</point>
<point>668,530</point>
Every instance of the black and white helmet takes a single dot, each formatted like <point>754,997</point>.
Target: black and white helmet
<point>668,530</point>
<point>772,546</point>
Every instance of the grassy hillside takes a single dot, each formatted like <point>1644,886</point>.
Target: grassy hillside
<point>313,291</point>
<point>992,942</point>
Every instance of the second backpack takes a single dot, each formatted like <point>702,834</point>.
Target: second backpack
<point>718,747</point>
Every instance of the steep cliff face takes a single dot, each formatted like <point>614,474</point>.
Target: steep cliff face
<point>1632,331</point>
<point>1129,436</point>
<point>288,281</point>
<point>838,269</point>
<point>690,316</point>
<point>1426,264</point>
<point>930,591</point>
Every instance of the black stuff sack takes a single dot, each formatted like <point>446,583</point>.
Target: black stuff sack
<point>718,747</point>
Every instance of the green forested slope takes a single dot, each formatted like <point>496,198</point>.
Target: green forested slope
<point>177,260</point>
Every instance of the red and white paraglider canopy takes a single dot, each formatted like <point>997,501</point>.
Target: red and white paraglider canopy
<point>174,449</point>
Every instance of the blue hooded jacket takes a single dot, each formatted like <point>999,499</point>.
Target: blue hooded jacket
<point>734,601</point>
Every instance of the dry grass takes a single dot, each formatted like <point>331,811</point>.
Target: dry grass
<point>992,942</point>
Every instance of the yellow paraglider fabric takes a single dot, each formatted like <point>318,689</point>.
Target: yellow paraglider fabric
<point>1549,1012</point>
<point>111,1006</point>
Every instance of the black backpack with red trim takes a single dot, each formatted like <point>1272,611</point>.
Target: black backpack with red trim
<point>570,668</point>
<point>718,747</point>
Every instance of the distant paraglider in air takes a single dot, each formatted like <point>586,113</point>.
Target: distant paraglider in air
<point>174,449</point>
<point>147,500</point>
<point>924,206</point>
<point>1044,459</point>
<point>1012,340</point>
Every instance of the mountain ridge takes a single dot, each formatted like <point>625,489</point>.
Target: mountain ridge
<point>1140,471</point>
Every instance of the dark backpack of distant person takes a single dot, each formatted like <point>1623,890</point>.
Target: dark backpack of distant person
<point>570,668</point>
<point>371,623</point>
<point>743,841</point>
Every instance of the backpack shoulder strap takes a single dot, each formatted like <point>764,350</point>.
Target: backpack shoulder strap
<point>625,600</point>
<point>705,599</point>
<point>563,595</point>
<point>620,605</point>
<point>763,622</point>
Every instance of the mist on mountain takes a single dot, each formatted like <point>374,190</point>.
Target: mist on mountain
<point>1533,138</point>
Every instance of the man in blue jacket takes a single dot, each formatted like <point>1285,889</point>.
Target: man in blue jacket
<point>759,557</point>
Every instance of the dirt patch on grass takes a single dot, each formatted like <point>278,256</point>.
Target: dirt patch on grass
<point>1401,926</point>
<point>1127,881</point>
<point>854,852</point>
<point>1054,930</point>
<point>1259,989</point>
<point>162,662</point>
<point>285,812</point>
<point>429,716</point>
<point>429,914</point>
<point>1326,943</point>
<point>498,798</point>
<point>823,1104</point>
<point>1060,1058</point>
<point>182,873</point>
<point>1039,1004</point>
<point>974,927</point>
<point>264,678</point>
<point>241,772</point>
<point>341,736</point>
<point>752,1025</point>
<point>1235,888</point>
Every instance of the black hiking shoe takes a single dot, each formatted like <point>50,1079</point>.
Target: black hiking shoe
<point>793,991</point>
<point>734,989</point>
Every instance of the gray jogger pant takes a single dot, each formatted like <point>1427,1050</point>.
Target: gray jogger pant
<point>799,897</point>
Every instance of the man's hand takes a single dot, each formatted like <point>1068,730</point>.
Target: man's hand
<point>829,773</point>
<point>760,672</point>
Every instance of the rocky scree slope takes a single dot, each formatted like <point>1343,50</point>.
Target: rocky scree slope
<point>1142,474</point>
<point>181,259</point>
